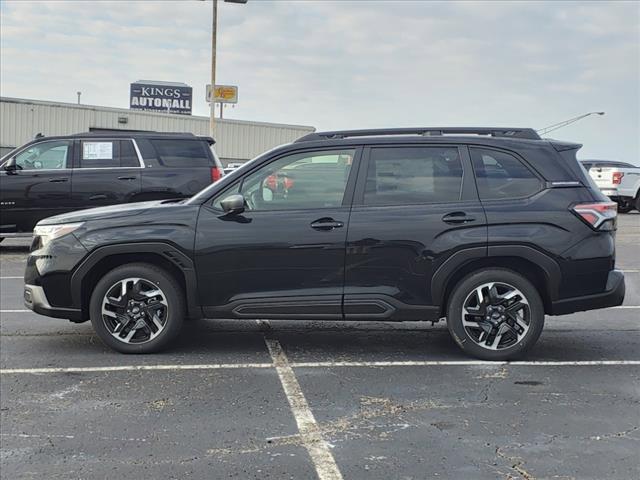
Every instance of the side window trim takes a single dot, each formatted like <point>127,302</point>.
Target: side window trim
<point>350,185</point>
<point>135,147</point>
<point>358,199</point>
<point>527,165</point>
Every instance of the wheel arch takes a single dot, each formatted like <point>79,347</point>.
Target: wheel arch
<point>104,259</point>
<point>541,270</point>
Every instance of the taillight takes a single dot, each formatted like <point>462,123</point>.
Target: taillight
<point>617,178</point>
<point>216,174</point>
<point>599,216</point>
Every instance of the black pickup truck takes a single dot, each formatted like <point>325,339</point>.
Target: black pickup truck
<point>53,175</point>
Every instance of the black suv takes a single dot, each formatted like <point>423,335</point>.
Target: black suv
<point>53,175</point>
<point>488,228</point>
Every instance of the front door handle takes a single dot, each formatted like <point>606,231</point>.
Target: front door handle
<point>457,218</point>
<point>326,224</point>
<point>126,178</point>
<point>58,180</point>
<point>98,197</point>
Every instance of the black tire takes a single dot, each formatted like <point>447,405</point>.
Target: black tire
<point>467,337</point>
<point>637,202</point>
<point>172,309</point>
<point>625,207</point>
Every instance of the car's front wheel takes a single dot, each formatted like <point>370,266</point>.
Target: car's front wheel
<point>137,308</point>
<point>495,314</point>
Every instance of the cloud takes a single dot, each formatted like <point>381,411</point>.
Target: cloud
<point>339,64</point>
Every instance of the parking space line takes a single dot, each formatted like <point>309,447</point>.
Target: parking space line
<point>15,311</point>
<point>463,363</point>
<point>133,368</point>
<point>328,364</point>
<point>12,278</point>
<point>311,438</point>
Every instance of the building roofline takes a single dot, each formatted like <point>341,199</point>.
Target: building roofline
<point>151,114</point>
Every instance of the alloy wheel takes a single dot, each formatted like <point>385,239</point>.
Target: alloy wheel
<point>496,315</point>
<point>135,310</point>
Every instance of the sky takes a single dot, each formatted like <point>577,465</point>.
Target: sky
<point>342,64</point>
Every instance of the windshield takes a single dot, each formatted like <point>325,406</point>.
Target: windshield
<point>4,159</point>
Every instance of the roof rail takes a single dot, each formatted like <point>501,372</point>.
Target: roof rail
<point>527,133</point>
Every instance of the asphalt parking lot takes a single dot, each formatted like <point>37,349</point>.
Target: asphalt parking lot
<point>320,400</point>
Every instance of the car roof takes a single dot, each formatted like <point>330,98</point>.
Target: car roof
<point>127,134</point>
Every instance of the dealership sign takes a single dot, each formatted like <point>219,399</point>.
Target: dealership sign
<point>161,97</point>
<point>223,94</point>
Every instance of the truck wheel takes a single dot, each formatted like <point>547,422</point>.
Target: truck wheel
<point>137,308</point>
<point>625,206</point>
<point>638,202</point>
<point>495,314</point>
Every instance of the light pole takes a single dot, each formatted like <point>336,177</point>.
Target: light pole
<point>214,34</point>
<point>556,126</point>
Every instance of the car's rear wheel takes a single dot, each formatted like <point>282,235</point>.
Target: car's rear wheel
<point>137,308</point>
<point>495,314</point>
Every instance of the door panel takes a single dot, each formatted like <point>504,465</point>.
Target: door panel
<point>103,175</point>
<point>276,259</point>
<point>270,256</point>
<point>394,249</point>
<point>39,189</point>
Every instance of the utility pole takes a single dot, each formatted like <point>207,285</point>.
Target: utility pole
<point>214,34</point>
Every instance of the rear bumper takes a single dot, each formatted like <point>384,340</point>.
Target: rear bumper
<point>36,300</point>
<point>611,297</point>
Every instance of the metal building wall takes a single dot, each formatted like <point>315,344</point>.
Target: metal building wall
<point>21,120</point>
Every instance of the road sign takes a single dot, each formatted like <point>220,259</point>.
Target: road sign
<point>223,94</point>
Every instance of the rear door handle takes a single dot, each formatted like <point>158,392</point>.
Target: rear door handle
<point>58,180</point>
<point>326,224</point>
<point>126,178</point>
<point>457,218</point>
<point>98,197</point>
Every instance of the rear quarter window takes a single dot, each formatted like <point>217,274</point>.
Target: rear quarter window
<point>500,175</point>
<point>181,153</point>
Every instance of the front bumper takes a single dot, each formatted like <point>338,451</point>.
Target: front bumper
<point>36,300</point>
<point>611,297</point>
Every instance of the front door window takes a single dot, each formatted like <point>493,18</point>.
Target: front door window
<point>44,156</point>
<point>308,180</point>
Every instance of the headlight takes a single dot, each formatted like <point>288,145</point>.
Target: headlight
<point>50,232</point>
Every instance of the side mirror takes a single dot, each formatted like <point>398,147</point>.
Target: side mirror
<point>11,167</point>
<point>233,204</point>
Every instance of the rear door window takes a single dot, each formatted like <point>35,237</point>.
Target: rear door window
<point>501,175</point>
<point>99,154</point>
<point>182,153</point>
<point>102,153</point>
<point>413,175</point>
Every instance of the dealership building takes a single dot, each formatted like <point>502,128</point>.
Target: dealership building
<point>236,140</point>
